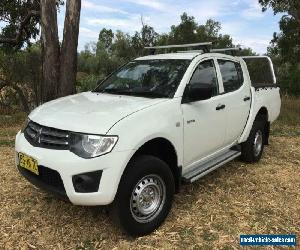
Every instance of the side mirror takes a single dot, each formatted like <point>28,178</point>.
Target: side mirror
<point>197,92</point>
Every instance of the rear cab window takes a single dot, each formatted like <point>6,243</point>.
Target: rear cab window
<point>261,71</point>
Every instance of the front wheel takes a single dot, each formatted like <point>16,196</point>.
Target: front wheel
<point>253,148</point>
<point>144,195</point>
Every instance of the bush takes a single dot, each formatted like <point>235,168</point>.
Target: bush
<point>290,81</point>
<point>87,82</point>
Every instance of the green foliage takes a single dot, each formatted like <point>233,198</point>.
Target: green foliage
<point>87,82</point>
<point>289,76</point>
<point>20,76</point>
<point>285,46</point>
<point>189,31</point>
<point>280,6</point>
<point>106,38</point>
<point>115,49</point>
<point>13,13</point>
<point>87,60</point>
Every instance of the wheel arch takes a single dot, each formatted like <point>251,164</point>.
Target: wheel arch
<point>163,149</point>
<point>263,115</point>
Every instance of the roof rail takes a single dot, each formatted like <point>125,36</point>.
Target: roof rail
<point>232,50</point>
<point>203,46</point>
<point>190,51</point>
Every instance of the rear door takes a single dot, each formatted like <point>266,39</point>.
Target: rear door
<point>237,96</point>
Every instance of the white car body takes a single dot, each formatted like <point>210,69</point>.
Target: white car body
<point>196,130</point>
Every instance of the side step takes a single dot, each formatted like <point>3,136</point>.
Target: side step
<point>205,168</point>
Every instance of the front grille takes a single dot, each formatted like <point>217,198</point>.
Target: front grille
<point>48,180</point>
<point>46,137</point>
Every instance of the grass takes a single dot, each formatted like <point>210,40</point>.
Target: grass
<point>288,123</point>
<point>211,213</point>
<point>290,111</point>
<point>12,119</point>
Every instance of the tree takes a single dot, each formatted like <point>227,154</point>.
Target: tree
<point>285,45</point>
<point>145,38</point>
<point>50,50</point>
<point>122,47</point>
<point>105,39</point>
<point>21,19</point>
<point>68,55</point>
<point>20,74</point>
<point>292,7</point>
<point>185,32</point>
<point>59,62</point>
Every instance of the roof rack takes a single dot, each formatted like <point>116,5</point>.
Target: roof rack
<point>232,50</point>
<point>198,48</point>
<point>190,51</point>
<point>202,46</point>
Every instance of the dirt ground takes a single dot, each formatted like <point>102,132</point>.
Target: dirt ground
<point>236,199</point>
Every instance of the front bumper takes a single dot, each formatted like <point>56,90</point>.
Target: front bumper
<point>68,165</point>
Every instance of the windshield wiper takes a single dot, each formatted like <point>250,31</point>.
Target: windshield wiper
<point>150,94</point>
<point>113,91</point>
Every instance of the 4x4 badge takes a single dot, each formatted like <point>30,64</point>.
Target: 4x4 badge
<point>190,121</point>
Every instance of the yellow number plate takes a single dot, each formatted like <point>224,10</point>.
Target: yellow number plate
<point>28,163</point>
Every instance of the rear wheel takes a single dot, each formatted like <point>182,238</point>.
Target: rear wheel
<point>144,195</point>
<point>253,148</point>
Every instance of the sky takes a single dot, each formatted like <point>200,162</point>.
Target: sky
<point>243,20</point>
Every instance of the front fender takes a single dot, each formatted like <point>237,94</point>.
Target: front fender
<point>160,121</point>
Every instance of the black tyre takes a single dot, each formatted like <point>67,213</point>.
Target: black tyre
<point>253,148</point>
<point>144,196</point>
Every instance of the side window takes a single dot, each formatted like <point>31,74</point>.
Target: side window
<point>232,75</point>
<point>205,74</point>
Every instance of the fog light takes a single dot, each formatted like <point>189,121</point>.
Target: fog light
<point>87,182</point>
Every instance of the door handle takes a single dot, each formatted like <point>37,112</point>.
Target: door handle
<point>247,98</point>
<point>220,107</point>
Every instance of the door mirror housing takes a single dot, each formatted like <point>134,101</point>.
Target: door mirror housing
<point>197,92</point>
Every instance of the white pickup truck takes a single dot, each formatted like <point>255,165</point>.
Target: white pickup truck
<point>158,121</point>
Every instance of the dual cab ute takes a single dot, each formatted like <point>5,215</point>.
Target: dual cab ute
<point>158,121</point>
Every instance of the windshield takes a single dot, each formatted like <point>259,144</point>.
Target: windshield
<point>146,78</point>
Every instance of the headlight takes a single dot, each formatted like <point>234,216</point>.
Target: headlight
<point>90,146</point>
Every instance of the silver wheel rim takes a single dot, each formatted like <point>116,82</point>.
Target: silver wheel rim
<point>148,198</point>
<point>258,143</point>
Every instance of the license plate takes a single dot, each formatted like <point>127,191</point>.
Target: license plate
<point>28,163</point>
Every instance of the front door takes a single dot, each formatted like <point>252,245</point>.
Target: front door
<point>204,121</point>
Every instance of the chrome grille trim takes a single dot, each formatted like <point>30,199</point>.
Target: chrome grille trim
<point>51,141</point>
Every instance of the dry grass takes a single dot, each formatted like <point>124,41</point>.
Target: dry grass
<point>209,214</point>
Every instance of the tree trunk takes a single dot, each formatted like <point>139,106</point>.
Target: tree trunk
<point>50,46</point>
<point>22,98</point>
<point>68,52</point>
